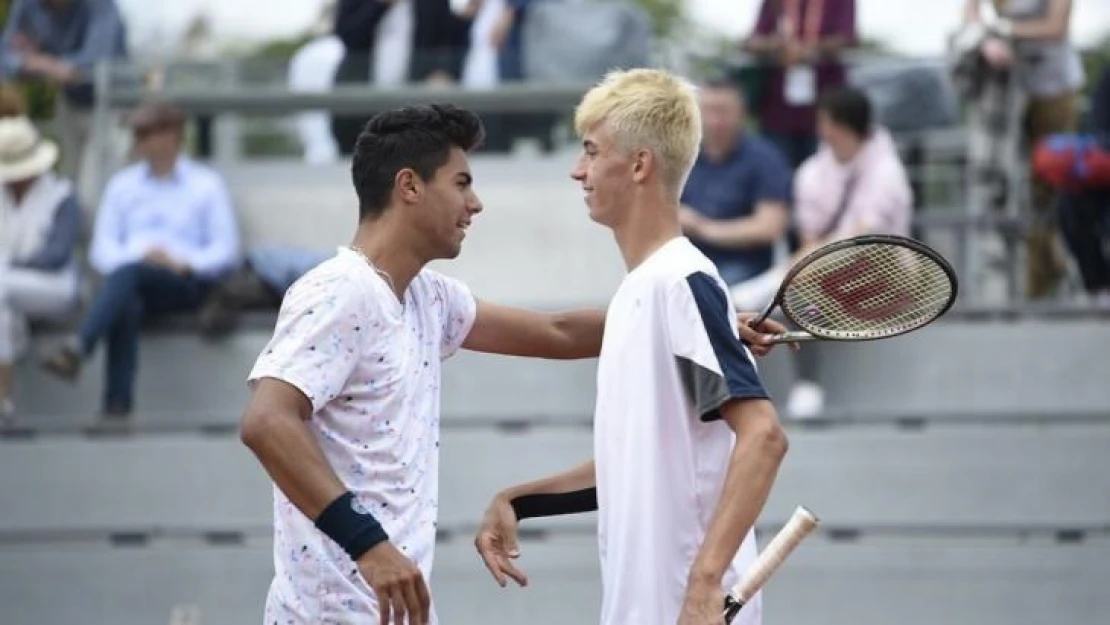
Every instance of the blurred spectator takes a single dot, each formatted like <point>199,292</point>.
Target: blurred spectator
<point>1031,36</point>
<point>395,42</point>
<point>855,184</point>
<point>802,40</point>
<point>481,68</point>
<point>507,36</point>
<point>362,27</point>
<point>313,69</point>
<point>164,232</point>
<point>258,284</point>
<point>60,41</point>
<point>39,223</point>
<point>736,202</point>
<point>1085,210</point>
<point>441,36</point>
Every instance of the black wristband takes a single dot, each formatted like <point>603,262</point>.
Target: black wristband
<point>527,506</point>
<point>350,525</point>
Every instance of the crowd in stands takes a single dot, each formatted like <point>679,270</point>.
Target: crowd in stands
<point>820,167</point>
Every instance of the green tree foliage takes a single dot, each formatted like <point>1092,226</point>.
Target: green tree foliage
<point>668,17</point>
<point>38,96</point>
<point>1095,61</point>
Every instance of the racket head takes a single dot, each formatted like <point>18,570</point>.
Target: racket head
<point>868,287</point>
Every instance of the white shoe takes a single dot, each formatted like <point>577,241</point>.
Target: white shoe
<point>806,400</point>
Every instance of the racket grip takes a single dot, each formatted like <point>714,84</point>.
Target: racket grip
<point>801,523</point>
<point>791,337</point>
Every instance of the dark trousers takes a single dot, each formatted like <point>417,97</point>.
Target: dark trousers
<point>1084,221</point>
<point>129,295</point>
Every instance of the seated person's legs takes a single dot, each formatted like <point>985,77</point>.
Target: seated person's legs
<point>27,294</point>
<point>1083,219</point>
<point>129,295</point>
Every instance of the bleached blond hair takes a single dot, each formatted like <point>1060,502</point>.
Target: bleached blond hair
<point>647,109</point>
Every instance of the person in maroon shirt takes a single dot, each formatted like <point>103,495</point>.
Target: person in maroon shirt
<point>800,40</point>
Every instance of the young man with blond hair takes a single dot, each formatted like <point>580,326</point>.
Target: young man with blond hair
<point>686,442</point>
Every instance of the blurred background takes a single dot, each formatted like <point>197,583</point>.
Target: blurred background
<point>962,472</point>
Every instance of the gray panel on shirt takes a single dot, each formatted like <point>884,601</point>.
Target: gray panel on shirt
<point>708,390</point>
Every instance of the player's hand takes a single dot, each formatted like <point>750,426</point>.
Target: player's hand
<point>496,542</point>
<point>704,605</point>
<point>398,584</point>
<point>756,338</point>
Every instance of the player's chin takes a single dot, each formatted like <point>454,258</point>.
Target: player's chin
<point>451,249</point>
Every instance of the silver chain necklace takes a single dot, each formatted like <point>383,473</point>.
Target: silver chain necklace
<point>385,276</point>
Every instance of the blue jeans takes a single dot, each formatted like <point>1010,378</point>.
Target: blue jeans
<point>127,296</point>
<point>279,266</point>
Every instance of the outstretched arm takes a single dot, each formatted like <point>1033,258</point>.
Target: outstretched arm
<point>511,331</point>
<point>570,492</point>
<point>569,335</point>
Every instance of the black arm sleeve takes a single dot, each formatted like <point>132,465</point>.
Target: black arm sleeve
<point>574,502</point>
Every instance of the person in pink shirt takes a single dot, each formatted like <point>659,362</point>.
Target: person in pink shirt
<point>855,184</point>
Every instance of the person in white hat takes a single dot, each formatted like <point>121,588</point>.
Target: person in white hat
<point>39,225</point>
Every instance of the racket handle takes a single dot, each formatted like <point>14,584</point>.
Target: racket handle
<point>791,337</point>
<point>801,523</point>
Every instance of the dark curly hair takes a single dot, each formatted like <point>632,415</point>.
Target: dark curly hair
<point>413,137</point>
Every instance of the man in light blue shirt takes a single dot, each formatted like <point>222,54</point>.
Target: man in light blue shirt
<point>164,233</point>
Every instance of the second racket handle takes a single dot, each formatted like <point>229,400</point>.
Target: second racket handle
<point>791,337</point>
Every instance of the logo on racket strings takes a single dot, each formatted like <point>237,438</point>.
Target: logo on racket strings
<point>864,294</point>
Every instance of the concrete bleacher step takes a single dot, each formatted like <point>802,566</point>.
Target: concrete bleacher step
<point>966,479</point>
<point>956,582</point>
<point>986,368</point>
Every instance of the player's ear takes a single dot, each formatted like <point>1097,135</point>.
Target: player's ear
<point>643,162</point>
<point>408,185</point>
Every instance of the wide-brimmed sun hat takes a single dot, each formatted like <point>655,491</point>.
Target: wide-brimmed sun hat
<point>24,153</point>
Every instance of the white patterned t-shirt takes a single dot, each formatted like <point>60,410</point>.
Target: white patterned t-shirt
<point>371,368</point>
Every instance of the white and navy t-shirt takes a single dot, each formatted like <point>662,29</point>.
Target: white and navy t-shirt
<point>671,358</point>
<point>371,367</point>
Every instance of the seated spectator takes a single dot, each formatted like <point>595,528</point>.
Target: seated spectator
<point>855,184</point>
<point>258,284</point>
<point>164,233</point>
<point>39,223</point>
<point>736,200</point>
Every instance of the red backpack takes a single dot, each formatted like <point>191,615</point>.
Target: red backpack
<point>1072,162</point>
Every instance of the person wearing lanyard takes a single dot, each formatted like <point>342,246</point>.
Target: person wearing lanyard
<point>801,39</point>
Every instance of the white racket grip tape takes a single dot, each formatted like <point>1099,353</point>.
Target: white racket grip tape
<point>801,523</point>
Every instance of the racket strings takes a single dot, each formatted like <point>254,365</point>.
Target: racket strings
<point>868,291</point>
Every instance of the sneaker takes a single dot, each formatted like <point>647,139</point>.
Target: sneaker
<point>806,400</point>
<point>65,361</point>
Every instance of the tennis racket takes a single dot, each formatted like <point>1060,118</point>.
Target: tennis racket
<point>864,288</point>
<point>801,523</point>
